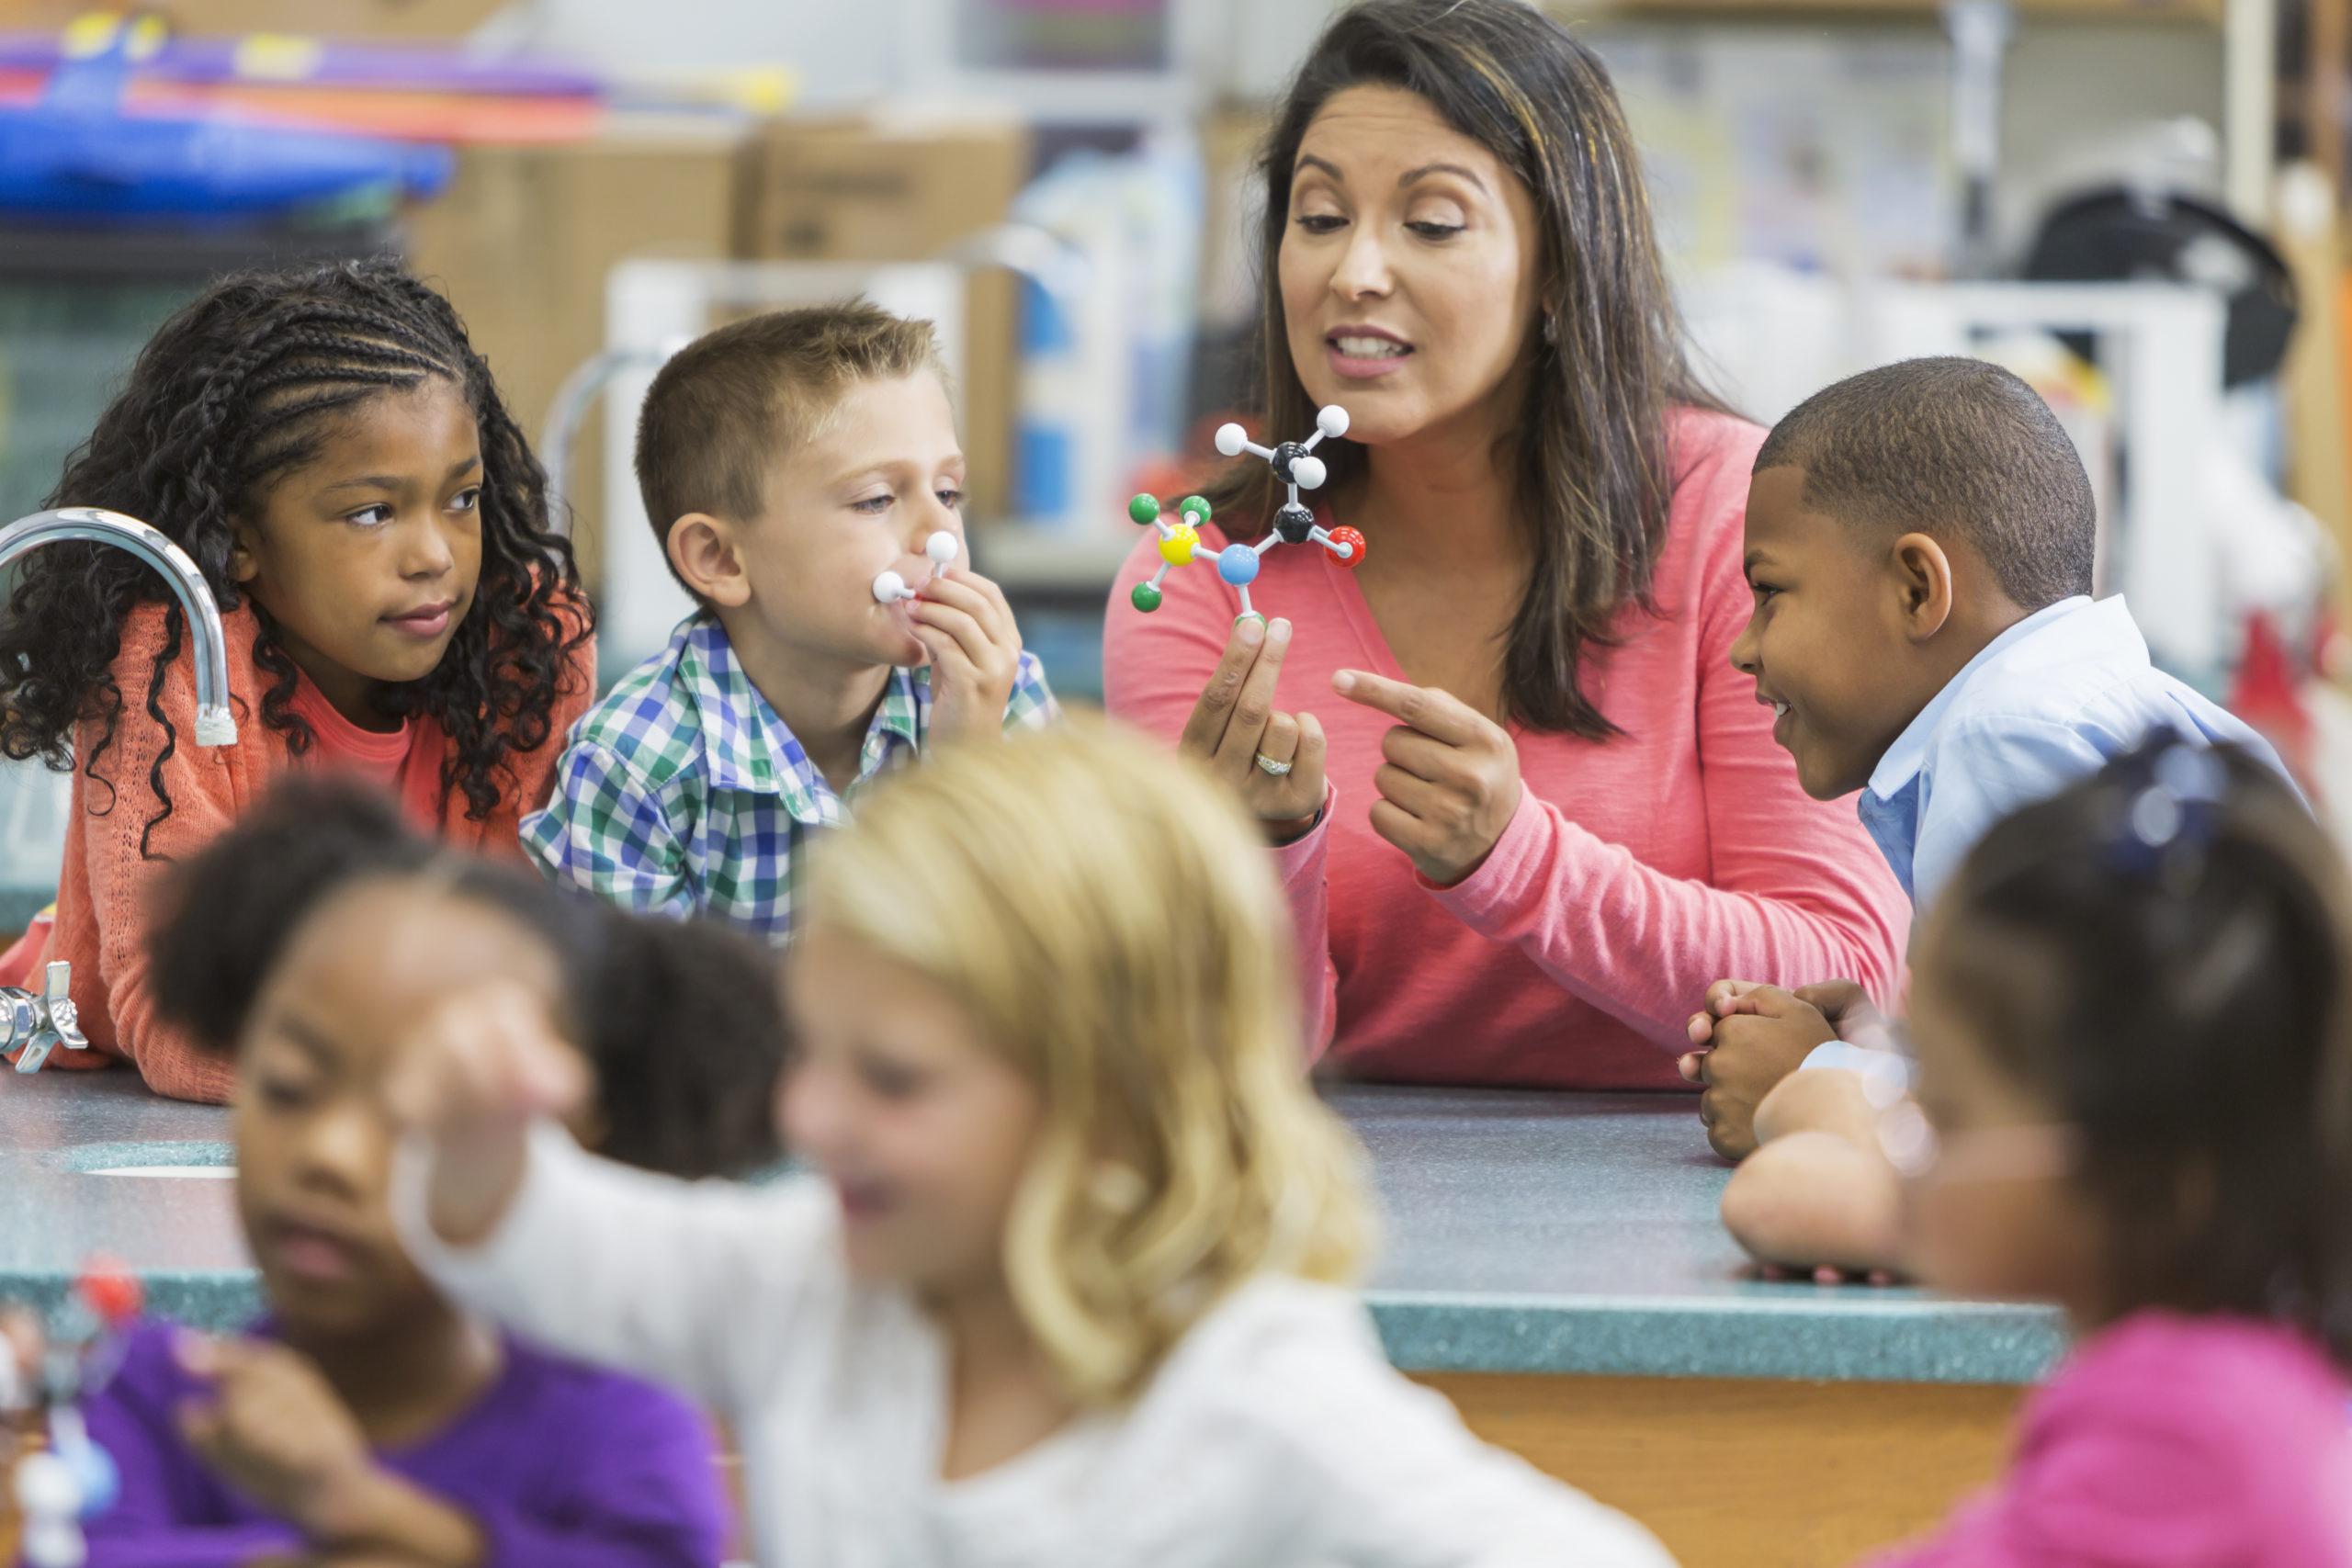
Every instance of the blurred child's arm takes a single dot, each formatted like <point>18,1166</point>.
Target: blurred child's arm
<point>643,1482</point>
<point>170,1511</point>
<point>1375,1469</point>
<point>606,832</point>
<point>613,1265</point>
<point>264,1421</point>
<point>1818,1191</point>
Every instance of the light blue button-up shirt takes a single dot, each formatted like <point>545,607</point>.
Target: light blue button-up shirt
<point>2044,706</point>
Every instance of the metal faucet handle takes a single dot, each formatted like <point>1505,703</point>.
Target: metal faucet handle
<point>65,1018</point>
<point>31,1026</point>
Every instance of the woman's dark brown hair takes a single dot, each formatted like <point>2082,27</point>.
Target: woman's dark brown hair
<point>2173,975</point>
<point>1593,472</point>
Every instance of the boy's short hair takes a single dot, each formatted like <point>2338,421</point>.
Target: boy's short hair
<point>1950,446</point>
<point>726,406</point>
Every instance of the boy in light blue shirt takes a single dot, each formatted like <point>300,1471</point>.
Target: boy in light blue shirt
<point>1919,543</point>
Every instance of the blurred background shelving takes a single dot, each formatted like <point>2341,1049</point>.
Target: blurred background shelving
<point>1076,173</point>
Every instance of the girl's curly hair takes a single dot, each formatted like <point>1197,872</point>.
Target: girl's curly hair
<point>236,390</point>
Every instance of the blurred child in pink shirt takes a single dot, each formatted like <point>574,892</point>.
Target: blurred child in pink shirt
<point>2133,1011</point>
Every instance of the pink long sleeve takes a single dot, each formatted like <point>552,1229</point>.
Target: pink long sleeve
<point>1635,872</point>
<point>2169,1442</point>
<point>1300,866</point>
<point>1785,894</point>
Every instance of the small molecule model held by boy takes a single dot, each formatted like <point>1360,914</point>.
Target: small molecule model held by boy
<point>940,549</point>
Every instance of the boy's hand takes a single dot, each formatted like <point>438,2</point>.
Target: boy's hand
<point>1818,1202</point>
<point>275,1430</point>
<point>1766,1036</point>
<point>1235,723</point>
<point>1831,1099</point>
<point>964,624</point>
<point>1449,778</point>
<point>1845,1004</point>
<point>471,1078</point>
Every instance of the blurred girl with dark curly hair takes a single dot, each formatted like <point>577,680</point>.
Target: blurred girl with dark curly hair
<point>330,449</point>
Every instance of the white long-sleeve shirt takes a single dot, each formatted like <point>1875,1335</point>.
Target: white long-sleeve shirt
<point>1274,1434</point>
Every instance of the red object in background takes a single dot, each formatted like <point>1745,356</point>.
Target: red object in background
<point>111,1290</point>
<point>2268,694</point>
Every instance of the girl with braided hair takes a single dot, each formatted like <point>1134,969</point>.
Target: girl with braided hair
<point>327,446</point>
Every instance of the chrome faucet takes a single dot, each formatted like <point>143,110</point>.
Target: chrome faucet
<point>568,410</point>
<point>32,1023</point>
<point>214,725</point>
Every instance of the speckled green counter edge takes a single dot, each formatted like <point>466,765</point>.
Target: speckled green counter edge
<point>1832,1341</point>
<point>1807,1332</point>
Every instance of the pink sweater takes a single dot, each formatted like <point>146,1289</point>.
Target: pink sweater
<point>2170,1442</point>
<point>1636,872</point>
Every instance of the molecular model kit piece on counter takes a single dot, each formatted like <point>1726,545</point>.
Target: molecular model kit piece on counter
<point>34,1023</point>
<point>1295,466</point>
<point>69,1478</point>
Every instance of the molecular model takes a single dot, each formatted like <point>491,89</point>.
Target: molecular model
<point>1294,465</point>
<point>941,548</point>
<point>71,1479</point>
<point>33,1024</point>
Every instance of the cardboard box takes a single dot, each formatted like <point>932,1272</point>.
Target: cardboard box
<point>522,242</point>
<point>415,21</point>
<point>858,190</point>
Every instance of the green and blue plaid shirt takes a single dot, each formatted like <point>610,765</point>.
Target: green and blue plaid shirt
<point>682,793</point>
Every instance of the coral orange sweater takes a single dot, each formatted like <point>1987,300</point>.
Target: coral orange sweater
<point>107,887</point>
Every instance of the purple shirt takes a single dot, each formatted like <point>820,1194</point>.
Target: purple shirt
<point>2170,1442</point>
<point>557,1464</point>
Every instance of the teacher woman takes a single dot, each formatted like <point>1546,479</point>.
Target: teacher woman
<point>1524,808</point>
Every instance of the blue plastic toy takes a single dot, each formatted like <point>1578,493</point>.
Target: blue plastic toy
<point>78,155</point>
